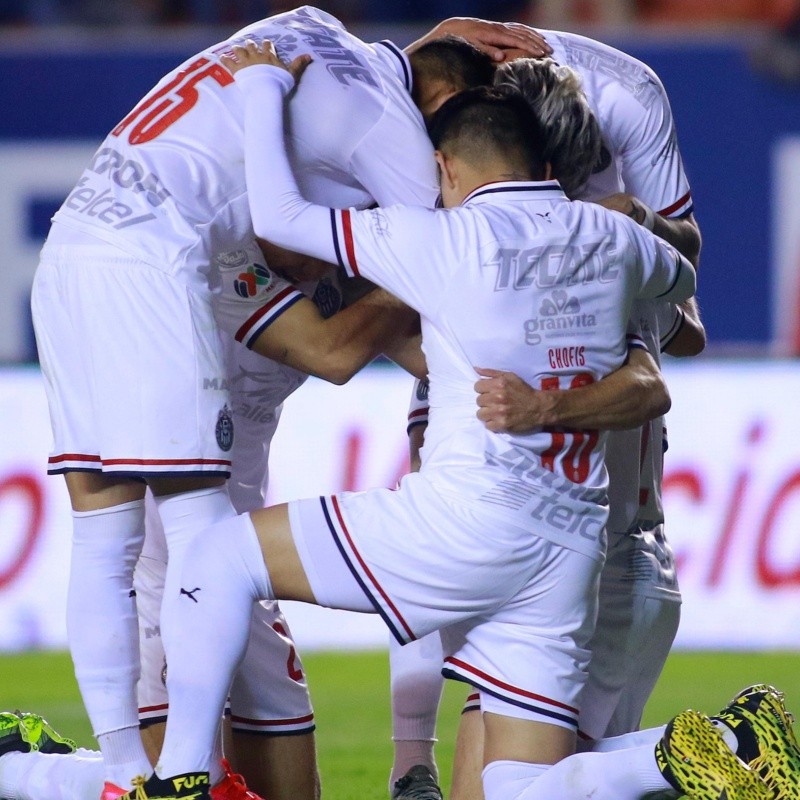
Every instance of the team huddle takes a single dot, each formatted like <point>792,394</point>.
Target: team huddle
<point>505,214</point>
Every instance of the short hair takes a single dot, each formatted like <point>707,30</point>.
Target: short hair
<point>574,145</point>
<point>487,123</point>
<point>457,62</point>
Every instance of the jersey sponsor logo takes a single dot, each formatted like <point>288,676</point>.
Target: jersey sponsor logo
<point>327,298</point>
<point>630,74</point>
<point>559,315</point>
<point>224,429</point>
<point>555,265</point>
<point>253,280</point>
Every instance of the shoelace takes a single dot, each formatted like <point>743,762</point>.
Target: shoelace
<point>138,784</point>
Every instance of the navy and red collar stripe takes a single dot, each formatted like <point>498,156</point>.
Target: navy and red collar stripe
<point>539,190</point>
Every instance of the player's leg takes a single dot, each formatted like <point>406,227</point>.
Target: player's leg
<point>37,763</point>
<point>126,407</point>
<point>148,582</point>
<point>468,757</point>
<point>416,689</point>
<point>271,718</point>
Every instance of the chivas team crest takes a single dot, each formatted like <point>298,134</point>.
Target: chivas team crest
<point>224,429</point>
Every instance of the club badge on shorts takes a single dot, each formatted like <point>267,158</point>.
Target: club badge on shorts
<point>224,429</point>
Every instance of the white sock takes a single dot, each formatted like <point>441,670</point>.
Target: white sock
<point>205,634</point>
<point>619,775</point>
<point>103,631</point>
<point>416,684</point>
<point>184,515</point>
<point>507,780</point>
<point>42,776</point>
<point>649,736</point>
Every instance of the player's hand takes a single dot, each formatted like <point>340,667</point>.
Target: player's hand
<point>625,204</point>
<point>503,41</point>
<point>507,404</point>
<point>252,53</point>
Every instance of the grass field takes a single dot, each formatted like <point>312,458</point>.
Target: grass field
<point>351,701</point>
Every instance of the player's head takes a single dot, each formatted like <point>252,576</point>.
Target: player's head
<point>445,66</point>
<point>483,135</point>
<point>574,146</point>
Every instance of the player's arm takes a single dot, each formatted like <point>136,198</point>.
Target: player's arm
<point>684,332</point>
<point>501,40</point>
<point>627,398</point>
<point>683,234</point>
<point>378,244</point>
<point>334,349</point>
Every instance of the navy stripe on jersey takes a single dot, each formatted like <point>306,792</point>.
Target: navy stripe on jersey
<point>633,340</point>
<point>677,327</point>
<point>336,239</point>
<point>362,575</point>
<point>343,243</point>
<point>258,322</point>
<point>679,263</point>
<point>402,58</point>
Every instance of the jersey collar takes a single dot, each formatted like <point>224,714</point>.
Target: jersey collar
<point>515,190</point>
<point>400,62</point>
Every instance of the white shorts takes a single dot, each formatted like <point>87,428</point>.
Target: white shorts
<point>271,661</point>
<point>133,367</point>
<point>636,625</point>
<point>515,611</point>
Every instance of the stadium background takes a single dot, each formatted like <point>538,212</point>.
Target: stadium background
<point>732,70</point>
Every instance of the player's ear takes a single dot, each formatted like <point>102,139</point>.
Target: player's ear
<point>446,174</point>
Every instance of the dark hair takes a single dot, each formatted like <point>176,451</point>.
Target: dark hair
<point>455,61</point>
<point>485,123</point>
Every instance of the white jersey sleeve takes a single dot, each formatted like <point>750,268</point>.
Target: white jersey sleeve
<point>282,216</point>
<point>636,121</point>
<point>249,296</point>
<point>670,320</point>
<point>666,274</point>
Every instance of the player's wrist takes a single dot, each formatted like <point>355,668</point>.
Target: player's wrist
<point>649,217</point>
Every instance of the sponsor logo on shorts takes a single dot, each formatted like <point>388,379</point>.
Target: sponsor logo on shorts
<point>224,429</point>
<point>253,280</point>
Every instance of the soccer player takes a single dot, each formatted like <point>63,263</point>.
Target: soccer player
<point>637,169</point>
<point>464,557</point>
<point>128,344</point>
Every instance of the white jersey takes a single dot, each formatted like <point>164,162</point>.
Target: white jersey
<point>635,119</point>
<point>168,185</point>
<point>636,122</point>
<point>517,277</point>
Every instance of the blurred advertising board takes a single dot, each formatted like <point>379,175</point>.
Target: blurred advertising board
<point>732,494</point>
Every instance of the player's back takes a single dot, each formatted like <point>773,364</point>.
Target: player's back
<point>168,184</point>
<point>636,122</point>
<point>517,278</point>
